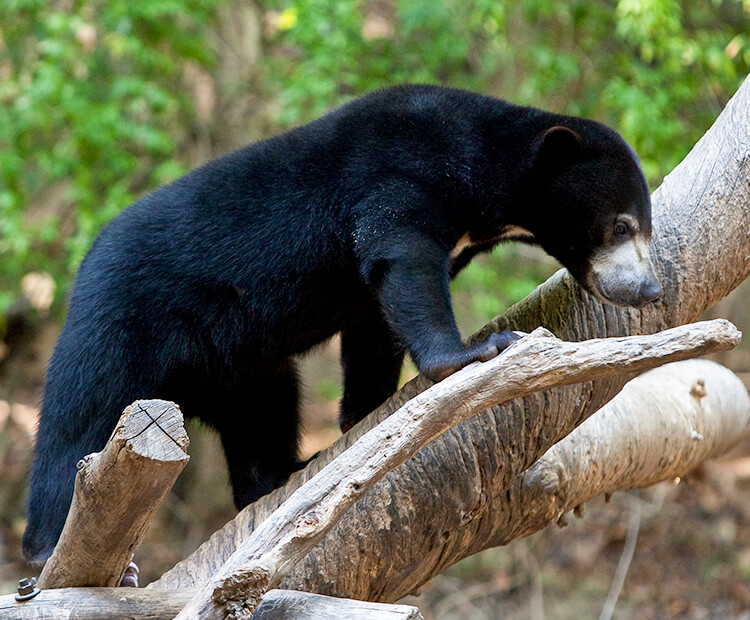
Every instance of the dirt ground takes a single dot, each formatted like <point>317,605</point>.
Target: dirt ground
<point>691,538</point>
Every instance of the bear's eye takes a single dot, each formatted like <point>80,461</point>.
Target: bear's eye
<point>621,229</point>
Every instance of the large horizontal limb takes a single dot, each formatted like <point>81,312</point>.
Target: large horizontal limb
<point>118,603</point>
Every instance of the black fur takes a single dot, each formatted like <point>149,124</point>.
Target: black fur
<point>203,291</point>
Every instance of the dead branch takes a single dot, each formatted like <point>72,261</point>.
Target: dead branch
<point>117,491</point>
<point>537,362</point>
<point>96,604</point>
<point>702,251</point>
<point>141,604</point>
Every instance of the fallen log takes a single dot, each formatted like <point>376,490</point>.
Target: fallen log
<point>141,604</point>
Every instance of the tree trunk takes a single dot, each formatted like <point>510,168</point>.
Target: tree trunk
<point>701,251</point>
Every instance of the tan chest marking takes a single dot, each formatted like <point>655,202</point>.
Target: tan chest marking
<point>511,232</point>
<point>463,243</point>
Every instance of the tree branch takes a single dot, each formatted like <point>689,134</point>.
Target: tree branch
<point>143,604</point>
<point>537,362</point>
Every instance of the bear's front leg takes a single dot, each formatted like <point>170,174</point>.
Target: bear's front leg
<point>414,293</point>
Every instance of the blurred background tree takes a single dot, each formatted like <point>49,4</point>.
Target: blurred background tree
<point>102,101</point>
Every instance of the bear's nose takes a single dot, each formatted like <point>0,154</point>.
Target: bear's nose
<point>650,290</point>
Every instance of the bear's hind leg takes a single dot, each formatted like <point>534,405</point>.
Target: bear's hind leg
<point>371,358</point>
<point>259,431</point>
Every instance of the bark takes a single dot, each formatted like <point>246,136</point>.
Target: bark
<point>701,251</point>
<point>135,604</point>
<point>121,488</point>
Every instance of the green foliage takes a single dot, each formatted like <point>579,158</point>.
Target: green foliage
<point>688,59</point>
<point>331,51</point>
<point>494,282</point>
<point>91,108</point>
<point>93,104</point>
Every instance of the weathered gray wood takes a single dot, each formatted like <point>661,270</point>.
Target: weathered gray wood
<point>293,605</point>
<point>96,604</point>
<point>117,491</point>
<point>141,604</point>
<point>661,426</point>
<point>536,362</point>
<point>701,250</point>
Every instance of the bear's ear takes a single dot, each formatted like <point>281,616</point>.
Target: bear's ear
<point>559,144</point>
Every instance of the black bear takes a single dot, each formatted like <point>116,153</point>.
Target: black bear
<point>204,291</point>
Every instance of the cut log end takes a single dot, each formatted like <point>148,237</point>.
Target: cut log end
<point>241,593</point>
<point>153,429</point>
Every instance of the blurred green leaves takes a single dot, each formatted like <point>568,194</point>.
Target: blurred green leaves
<point>491,283</point>
<point>336,50</point>
<point>94,110</point>
<point>91,111</point>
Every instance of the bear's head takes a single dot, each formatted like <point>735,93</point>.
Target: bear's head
<point>595,211</point>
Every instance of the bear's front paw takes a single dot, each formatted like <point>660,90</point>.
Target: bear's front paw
<point>496,343</point>
<point>445,365</point>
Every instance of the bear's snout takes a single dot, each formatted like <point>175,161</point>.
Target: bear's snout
<point>623,275</point>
